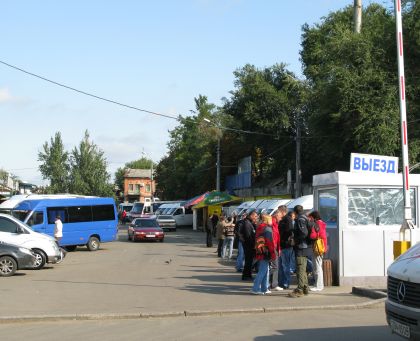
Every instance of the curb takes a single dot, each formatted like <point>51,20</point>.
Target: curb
<point>368,292</point>
<point>186,313</point>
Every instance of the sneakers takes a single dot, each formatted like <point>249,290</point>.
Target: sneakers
<point>296,294</point>
<point>256,292</point>
<point>278,288</point>
<point>315,289</point>
<point>268,292</point>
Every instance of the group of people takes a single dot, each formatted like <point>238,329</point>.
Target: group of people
<point>274,246</point>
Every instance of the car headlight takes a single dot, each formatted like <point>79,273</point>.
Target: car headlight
<point>25,250</point>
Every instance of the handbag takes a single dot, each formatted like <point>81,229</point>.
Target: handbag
<point>318,247</point>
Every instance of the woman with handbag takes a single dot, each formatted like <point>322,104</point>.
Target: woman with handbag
<point>319,237</point>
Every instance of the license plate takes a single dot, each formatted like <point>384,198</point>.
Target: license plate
<point>150,236</point>
<point>400,329</point>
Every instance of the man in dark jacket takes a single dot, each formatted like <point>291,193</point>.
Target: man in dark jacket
<point>303,249</point>
<point>247,234</point>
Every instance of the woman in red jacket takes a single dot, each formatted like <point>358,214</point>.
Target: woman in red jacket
<point>264,253</point>
<point>319,231</point>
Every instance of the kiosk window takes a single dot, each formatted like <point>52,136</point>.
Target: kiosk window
<point>328,206</point>
<point>378,206</point>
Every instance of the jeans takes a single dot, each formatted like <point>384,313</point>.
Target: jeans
<point>261,280</point>
<point>319,275</point>
<point>301,274</point>
<point>285,262</point>
<point>240,259</point>
<point>219,248</point>
<point>228,241</point>
<point>275,271</point>
<point>249,257</point>
<point>209,239</point>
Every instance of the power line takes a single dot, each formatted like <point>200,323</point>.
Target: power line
<point>87,93</point>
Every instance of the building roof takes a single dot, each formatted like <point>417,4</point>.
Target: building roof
<point>137,173</point>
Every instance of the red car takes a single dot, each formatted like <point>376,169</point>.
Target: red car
<point>145,228</point>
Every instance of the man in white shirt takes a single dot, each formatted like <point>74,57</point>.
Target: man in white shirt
<point>58,229</point>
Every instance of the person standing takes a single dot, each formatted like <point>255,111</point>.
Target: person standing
<point>209,232</point>
<point>303,249</point>
<point>58,229</point>
<point>319,231</point>
<point>241,257</point>
<point>248,242</point>
<point>264,248</point>
<point>219,235</point>
<point>214,219</point>
<point>286,244</point>
<point>229,234</point>
<point>274,273</point>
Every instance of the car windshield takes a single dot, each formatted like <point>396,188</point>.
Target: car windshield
<point>20,214</point>
<point>145,223</point>
<point>137,208</point>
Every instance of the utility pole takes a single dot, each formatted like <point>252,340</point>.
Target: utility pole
<point>218,166</point>
<point>357,16</point>
<point>298,189</point>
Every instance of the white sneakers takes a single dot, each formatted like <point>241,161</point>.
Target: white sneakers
<point>315,289</point>
<point>256,292</point>
<point>278,288</point>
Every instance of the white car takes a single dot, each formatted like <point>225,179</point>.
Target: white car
<point>14,232</point>
<point>403,303</point>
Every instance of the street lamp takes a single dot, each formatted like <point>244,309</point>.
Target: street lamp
<point>218,156</point>
<point>151,172</point>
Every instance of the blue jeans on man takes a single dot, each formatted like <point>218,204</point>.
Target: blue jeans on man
<point>240,259</point>
<point>285,261</point>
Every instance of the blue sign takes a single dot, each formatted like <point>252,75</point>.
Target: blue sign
<point>362,163</point>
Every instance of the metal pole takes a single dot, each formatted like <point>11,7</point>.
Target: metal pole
<point>298,189</point>
<point>218,166</point>
<point>357,16</point>
<point>151,177</point>
<point>407,224</point>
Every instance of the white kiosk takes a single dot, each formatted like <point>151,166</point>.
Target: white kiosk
<point>364,213</point>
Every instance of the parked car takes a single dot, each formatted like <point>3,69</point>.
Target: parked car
<point>46,249</point>
<point>145,228</point>
<point>166,222</point>
<point>13,258</point>
<point>182,216</point>
<point>402,306</point>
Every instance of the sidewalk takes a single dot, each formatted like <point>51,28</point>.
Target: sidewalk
<point>180,277</point>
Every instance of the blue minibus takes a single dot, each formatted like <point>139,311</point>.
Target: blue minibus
<point>86,220</point>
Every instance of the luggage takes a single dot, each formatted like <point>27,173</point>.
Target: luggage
<point>327,270</point>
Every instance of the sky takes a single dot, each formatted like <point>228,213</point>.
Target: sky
<point>154,55</point>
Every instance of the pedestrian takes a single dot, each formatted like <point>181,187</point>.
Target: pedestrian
<point>286,244</point>
<point>319,232</point>
<point>123,216</point>
<point>229,234</point>
<point>219,235</point>
<point>209,232</point>
<point>264,249</point>
<point>214,220</point>
<point>275,265</point>
<point>58,229</point>
<point>303,249</point>
<point>248,242</point>
<point>241,257</point>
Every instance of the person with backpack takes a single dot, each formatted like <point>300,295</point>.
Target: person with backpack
<point>264,254</point>
<point>319,232</point>
<point>303,249</point>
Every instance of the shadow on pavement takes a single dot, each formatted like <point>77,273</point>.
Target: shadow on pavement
<point>382,333</point>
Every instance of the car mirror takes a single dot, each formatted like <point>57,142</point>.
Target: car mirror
<point>20,230</point>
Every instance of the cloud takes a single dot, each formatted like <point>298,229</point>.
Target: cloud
<point>7,98</point>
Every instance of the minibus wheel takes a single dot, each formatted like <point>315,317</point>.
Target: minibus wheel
<point>93,244</point>
<point>8,266</point>
<point>40,259</point>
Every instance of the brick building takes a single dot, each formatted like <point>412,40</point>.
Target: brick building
<point>138,185</point>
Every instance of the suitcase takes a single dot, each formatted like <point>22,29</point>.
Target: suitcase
<point>327,271</point>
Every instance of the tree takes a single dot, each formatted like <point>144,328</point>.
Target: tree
<point>88,170</point>
<point>55,165</point>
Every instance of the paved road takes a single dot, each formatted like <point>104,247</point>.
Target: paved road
<point>366,324</point>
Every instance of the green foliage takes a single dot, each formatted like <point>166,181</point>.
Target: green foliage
<point>55,165</point>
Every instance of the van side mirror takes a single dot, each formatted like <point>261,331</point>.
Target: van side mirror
<point>20,230</point>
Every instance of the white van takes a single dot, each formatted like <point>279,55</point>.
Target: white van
<point>183,216</point>
<point>402,306</point>
<point>243,207</point>
<point>269,206</point>
<point>307,202</point>
<point>13,231</point>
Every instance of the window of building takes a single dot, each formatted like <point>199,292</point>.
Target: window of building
<point>148,189</point>
<point>378,206</point>
<point>130,187</point>
<point>137,188</point>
